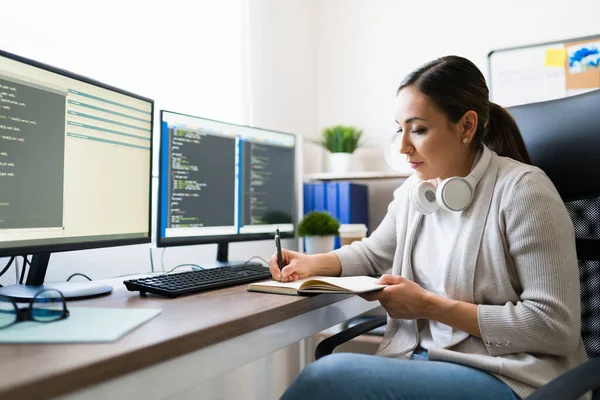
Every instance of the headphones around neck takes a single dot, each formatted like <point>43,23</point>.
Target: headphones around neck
<point>452,194</point>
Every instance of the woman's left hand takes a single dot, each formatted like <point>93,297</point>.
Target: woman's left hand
<point>403,298</point>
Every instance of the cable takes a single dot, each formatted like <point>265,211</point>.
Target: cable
<point>17,268</point>
<point>79,274</point>
<point>196,267</point>
<point>260,258</point>
<point>7,265</point>
<point>140,273</point>
<point>25,262</point>
<point>151,260</point>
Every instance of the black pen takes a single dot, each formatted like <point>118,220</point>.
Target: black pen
<point>278,247</point>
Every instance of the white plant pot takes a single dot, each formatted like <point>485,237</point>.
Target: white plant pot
<point>339,163</point>
<point>318,244</point>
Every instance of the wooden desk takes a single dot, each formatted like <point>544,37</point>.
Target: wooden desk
<point>194,338</point>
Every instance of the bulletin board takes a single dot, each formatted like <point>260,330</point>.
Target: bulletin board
<point>545,71</point>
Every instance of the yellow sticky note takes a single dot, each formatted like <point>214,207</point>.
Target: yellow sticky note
<point>555,58</point>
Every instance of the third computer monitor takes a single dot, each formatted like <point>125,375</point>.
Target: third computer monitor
<point>221,182</point>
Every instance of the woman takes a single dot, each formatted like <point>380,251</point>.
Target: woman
<point>483,296</point>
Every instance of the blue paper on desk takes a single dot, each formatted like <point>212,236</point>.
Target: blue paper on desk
<point>84,325</point>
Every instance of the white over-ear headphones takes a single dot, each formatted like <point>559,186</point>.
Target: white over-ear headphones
<point>452,194</point>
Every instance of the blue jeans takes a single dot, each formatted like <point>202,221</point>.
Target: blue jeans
<point>360,376</point>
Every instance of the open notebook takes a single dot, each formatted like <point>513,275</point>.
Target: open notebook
<point>319,284</point>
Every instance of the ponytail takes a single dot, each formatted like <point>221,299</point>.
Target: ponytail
<point>503,136</point>
<point>455,85</point>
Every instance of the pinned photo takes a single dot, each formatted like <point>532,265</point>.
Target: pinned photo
<point>584,57</point>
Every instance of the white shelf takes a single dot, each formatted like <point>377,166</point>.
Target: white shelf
<point>331,176</point>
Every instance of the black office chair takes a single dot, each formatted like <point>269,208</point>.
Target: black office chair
<point>563,138</point>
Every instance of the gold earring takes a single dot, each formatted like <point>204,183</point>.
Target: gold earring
<point>465,140</point>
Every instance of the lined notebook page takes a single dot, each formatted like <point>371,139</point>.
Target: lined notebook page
<point>273,283</point>
<point>350,283</point>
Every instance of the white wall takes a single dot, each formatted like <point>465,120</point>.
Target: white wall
<point>283,68</point>
<point>366,48</point>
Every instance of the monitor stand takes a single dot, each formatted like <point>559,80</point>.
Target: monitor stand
<point>35,282</point>
<point>223,257</point>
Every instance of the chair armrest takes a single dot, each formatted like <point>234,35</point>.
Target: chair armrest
<point>326,346</point>
<point>572,384</point>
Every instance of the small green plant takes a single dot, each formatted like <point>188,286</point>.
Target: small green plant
<point>318,223</point>
<point>341,139</point>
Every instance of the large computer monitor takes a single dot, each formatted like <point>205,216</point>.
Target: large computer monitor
<point>75,169</point>
<point>221,182</point>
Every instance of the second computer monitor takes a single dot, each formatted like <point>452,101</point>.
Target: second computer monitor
<point>222,182</point>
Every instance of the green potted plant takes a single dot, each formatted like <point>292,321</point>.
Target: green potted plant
<point>341,141</point>
<point>319,230</point>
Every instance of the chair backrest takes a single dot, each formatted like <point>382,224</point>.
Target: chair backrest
<point>563,139</point>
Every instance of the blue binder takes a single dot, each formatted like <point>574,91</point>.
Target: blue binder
<point>315,197</point>
<point>333,206</point>
<point>353,202</point>
<point>348,202</point>
<point>320,197</point>
<point>308,197</point>
<point>332,199</point>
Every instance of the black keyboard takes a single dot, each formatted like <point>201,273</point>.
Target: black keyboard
<point>181,283</point>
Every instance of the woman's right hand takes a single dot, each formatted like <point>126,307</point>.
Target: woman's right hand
<point>296,266</point>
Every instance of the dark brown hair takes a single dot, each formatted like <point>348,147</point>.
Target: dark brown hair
<point>455,85</point>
